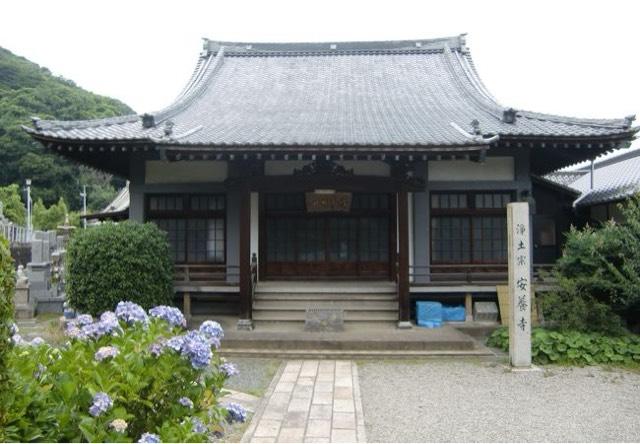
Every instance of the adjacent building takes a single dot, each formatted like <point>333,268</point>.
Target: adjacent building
<point>383,164</point>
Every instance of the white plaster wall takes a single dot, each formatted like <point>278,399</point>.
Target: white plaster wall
<point>494,168</point>
<point>360,167</point>
<point>255,224</point>
<point>192,171</point>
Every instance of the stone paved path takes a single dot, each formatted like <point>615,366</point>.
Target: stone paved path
<point>311,401</point>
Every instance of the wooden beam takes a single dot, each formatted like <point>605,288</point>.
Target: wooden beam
<point>246,290</point>
<point>403,261</point>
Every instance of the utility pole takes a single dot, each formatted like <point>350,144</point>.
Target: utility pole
<point>29,222</point>
<point>84,205</point>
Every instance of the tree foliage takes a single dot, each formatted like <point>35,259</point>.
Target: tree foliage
<point>12,206</point>
<point>598,277</point>
<point>114,261</point>
<point>7,286</point>
<point>49,218</point>
<point>28,90</point>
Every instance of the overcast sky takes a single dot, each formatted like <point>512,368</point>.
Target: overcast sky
<point>576,58</point>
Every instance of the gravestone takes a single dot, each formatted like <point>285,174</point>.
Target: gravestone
<point>324,319</point>
<point>23,307</point>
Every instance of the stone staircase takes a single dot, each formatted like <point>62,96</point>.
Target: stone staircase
<point>361,302</point>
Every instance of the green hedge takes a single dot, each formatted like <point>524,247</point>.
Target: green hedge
<point>7,286</point>
<point>114,262</point>
<point>572,347</point>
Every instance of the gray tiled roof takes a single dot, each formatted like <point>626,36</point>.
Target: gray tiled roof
<point>565,178</point>
<point>400,93</point>
<point>613,180</point>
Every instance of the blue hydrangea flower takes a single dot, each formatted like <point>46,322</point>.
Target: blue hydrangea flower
<point>108,324</point>
<point>197,426</point>
<point>228,369</point>
<point>149,437</point>
<point>83,319</point>
<point>131,313</point>
<point>101,403</point>
<point>175,343</point>
<point>211,329</point>
<point>106,352</point>
<point>17,339</point>
<point>186,402</point>
<point>157,348</point>
<point>37,341</point>
<point>170,314</point>
<point>235,412</point>
<point>197,349</point>
<point>74,332</point>
<point>14,330</point>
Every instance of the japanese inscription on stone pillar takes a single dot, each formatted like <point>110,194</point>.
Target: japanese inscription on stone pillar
<point>519,284</point>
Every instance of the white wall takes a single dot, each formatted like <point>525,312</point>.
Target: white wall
<point>192,171</point>
<point>494,168</point>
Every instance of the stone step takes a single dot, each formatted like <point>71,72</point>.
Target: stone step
<point>291,305</point>
<point>276,296</point>
<point>300,315</point>
<point>353,354</point>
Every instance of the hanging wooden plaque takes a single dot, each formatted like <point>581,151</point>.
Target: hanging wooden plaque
<point>328,202</point>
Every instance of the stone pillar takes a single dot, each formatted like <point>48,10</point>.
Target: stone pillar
<point>519,256</point>
<point>24,308</point>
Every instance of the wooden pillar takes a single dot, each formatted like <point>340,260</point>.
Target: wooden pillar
<point>186,306</point>
<point>468,307</point>
<point>403,261</point>
<point>244,257</point>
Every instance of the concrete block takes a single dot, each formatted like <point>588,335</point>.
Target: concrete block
<point>324,319</point>
<point>485,312</point>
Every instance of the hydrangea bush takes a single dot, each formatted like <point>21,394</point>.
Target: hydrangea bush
<point>125,376</point>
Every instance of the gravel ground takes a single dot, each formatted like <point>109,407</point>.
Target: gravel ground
<point>255,375</point>
<point>254,378</point>
<point>475,400</point>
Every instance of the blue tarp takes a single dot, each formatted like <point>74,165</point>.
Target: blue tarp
<point>453,313</point>
<point>429,314</point>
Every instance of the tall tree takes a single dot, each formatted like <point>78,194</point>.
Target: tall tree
<point>27,89</point>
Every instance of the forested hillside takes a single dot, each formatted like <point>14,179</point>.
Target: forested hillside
<point>27,90</point>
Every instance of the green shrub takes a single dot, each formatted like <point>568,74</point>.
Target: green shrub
<point>122,376</point>
<point>7,285</point>
<point>112,261</point>
<point>572,347</point>
<point>598,277</point>
<point>12,206</point>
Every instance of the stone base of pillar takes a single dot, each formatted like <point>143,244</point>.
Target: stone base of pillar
<point>531,368</point>
<point>25,311</point>
<point>245,324</point>
<point>405,324</point>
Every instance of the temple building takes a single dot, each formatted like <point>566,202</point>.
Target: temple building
<point>351,169</point>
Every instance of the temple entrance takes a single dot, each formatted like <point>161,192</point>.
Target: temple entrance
<point>301,239</point>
